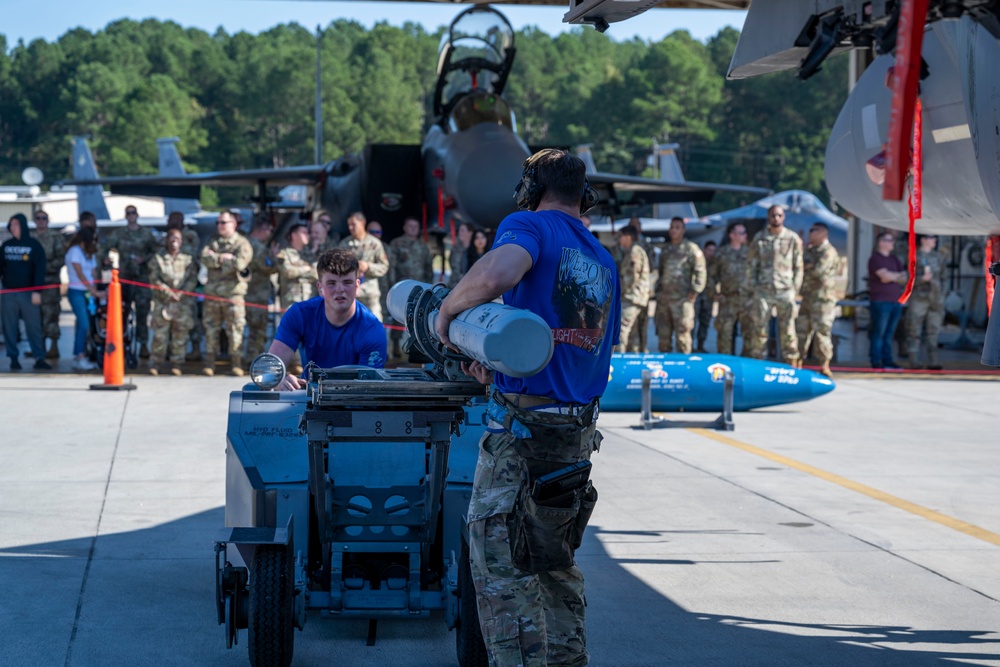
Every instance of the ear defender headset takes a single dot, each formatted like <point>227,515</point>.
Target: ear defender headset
<point>528,193</point>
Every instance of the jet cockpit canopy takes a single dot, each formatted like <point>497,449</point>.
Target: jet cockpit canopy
<point>476,54</point>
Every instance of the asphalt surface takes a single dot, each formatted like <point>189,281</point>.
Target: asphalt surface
<point>861,528</point>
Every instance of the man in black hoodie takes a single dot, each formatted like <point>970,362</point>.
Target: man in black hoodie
<point>22,266</point>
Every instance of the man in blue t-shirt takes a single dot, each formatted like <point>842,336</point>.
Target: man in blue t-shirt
<point>332,328</point>
<point>543,260</point>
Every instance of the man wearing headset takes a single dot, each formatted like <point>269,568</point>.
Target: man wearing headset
<point>529,590</point>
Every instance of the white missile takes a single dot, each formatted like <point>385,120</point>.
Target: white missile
<point>512,341</point>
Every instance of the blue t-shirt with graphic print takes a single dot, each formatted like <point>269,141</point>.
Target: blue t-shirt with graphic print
<point>573,285</point>
<point>361,341</point>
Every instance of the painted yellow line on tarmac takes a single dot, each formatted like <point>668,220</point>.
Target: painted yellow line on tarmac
<point>921,511</point>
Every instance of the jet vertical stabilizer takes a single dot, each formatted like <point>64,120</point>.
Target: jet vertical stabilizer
<point>170,165</point>
<point>669,169</point>
<point>88,197</point>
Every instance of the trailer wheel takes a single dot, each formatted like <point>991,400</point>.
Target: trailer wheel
<point>469,643</point>
<point>269,631</point>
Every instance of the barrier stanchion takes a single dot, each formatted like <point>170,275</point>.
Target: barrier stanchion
<point>114,353</point>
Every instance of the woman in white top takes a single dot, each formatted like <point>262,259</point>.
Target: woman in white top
<point>81,264</point>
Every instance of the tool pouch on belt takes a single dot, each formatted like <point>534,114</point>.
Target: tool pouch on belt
<point>545,535</point>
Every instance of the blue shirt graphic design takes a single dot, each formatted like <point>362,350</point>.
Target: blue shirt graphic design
<point>573,285</point>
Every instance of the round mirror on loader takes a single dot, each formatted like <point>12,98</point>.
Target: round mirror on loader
<point>267,371</point>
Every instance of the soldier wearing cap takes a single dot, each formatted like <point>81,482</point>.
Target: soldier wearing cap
<point>173,272</point>
<point>227,257</point>
<point>136,246</point>
<point>820,264</point>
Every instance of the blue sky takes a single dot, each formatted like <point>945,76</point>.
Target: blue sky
<point>51,18</point>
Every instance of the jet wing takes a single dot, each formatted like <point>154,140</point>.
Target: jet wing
<point>617,190</point>
<point>187,186</point>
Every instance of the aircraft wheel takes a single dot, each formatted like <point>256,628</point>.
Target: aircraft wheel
<point>469,641</point>
<point>269,632</point>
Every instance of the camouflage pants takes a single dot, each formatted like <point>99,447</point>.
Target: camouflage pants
<point>257,323</point>
<point>142,298</point>
<point>813,325</point>
<point>629,335</point>
<point>640,332</point>
<point>216,314</point>
<point>731,311</point>
<point>172,322</point>
<point>674,316</point>
<point>923,315</point>
<point>531,620</point>
<point>784,307</point>
<point>51,309</point>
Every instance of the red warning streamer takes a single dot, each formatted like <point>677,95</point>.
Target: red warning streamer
<point>905,84</point>
<point>916,197</point>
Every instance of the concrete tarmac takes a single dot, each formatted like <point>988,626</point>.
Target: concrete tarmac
<point>862,528</point>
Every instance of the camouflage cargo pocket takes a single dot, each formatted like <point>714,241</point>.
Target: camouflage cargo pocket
<point>545,537</point>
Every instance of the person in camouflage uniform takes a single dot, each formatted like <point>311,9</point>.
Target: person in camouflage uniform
<point>409,259</point>
<point>260,289</point>
<point>172,272</point>
<point>725,284</point>
<point>703,304</point>
<point>925,311</point>
<point>641,326</point>
<point>296,274</point>
<point>136,246</point>
<point>373,262</point>
<point>633,272</point>
<point>374,228</point>
<point>458,258</point>
<point>682,278</point>
<point>190,245</point>
<point>530,592</point>
<point>320,238</point>
<point>54,245</point>
<point>820,265</point>
<point>774,276</point>
<point>227,257</point>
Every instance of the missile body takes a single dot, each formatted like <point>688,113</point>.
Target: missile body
<point>694,383</point>
<point>515,342</point>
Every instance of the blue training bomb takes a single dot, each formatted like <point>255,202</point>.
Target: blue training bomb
<point>694,383</point>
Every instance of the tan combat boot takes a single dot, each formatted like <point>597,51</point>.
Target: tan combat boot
<point>209,366</point>
<point>825,369</point>
<point>237,366</point>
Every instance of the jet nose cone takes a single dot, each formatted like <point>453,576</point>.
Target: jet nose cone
<point>482,178</point>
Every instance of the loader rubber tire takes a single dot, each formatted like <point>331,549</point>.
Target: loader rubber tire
<point>270,627</point>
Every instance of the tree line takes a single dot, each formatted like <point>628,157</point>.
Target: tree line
<point>247,101</point>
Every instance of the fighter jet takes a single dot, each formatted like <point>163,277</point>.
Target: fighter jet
<point>465,169</point>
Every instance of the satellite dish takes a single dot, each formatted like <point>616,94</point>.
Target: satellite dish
<point>32,176</point>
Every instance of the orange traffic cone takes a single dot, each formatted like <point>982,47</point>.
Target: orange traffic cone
<point>114,353</point>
